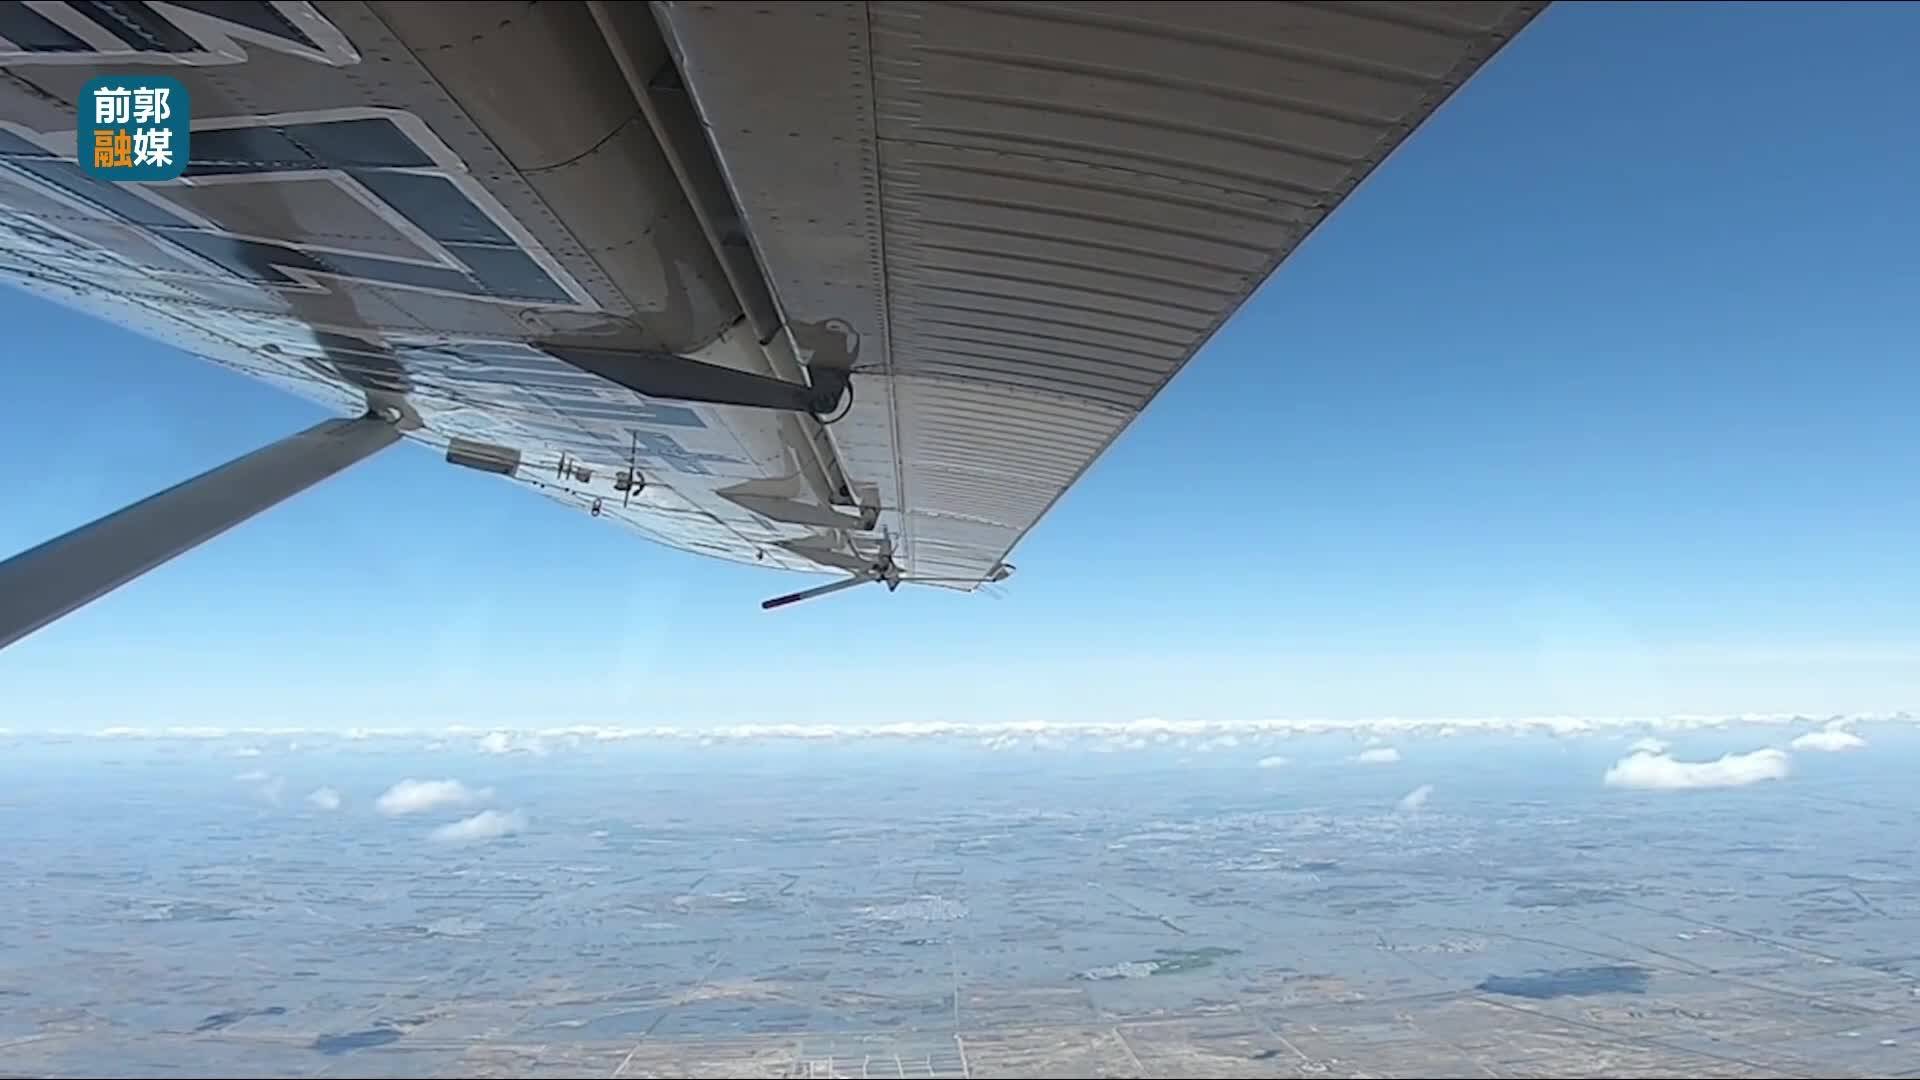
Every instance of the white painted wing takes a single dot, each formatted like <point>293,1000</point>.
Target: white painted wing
<point>1035,214</point>
<point>1025,218</point>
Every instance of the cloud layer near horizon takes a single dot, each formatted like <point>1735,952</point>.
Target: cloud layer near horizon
<point>495,739</point>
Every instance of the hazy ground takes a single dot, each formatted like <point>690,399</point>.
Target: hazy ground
<point>1106,906</point>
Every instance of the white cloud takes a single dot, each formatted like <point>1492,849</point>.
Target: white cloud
<point>507,742</point>
<point>485,825</point>
<point>324,798</point>
<point>1647,744</point>
<point>412,796</point>
<point>1658,772</point>
<point>1272,761</point>
<point>265,784</point>
<point>247,751</point>
<point>1415,799</point>
<point>1830,740</point>
<point>1377,755</point>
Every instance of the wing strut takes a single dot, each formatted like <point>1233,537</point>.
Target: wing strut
<point>818,590</point>
<point>40,585</point>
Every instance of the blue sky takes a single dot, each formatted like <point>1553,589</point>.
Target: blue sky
<point>1597,398</point>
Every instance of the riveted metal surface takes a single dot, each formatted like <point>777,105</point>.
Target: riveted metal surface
<point>1020,220</point>
<point>1072,197</point>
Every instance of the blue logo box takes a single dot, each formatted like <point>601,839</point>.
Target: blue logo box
<point>133,128</point>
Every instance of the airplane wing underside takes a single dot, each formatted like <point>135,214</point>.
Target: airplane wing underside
<point>1012,223</point>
